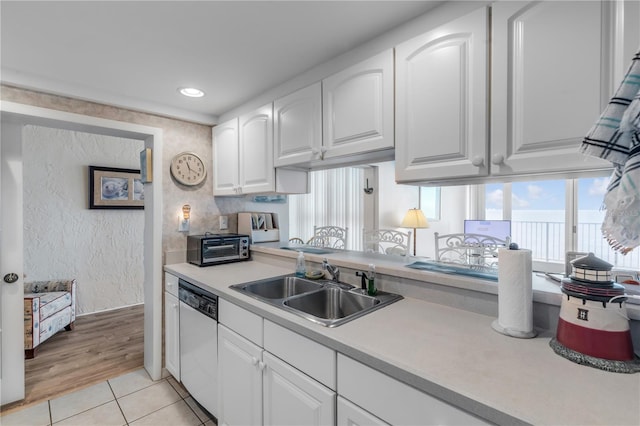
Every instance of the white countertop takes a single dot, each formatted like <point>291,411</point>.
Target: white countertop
<point>450,353</point>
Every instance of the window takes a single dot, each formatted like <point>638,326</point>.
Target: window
<point>552,217</point>
<point>430,202</point>
<point>538,218</point>
<point>336,199</point>
<point>339,197</point>
<point>590,215</point>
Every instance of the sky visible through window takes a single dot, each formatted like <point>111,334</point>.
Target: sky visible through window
<point>547,195</point>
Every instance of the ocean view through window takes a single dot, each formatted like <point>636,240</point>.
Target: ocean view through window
<point>544,221</point>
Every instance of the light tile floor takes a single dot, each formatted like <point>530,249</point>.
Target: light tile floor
<point>130,399</point>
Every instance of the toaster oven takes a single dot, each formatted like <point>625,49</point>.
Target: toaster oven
<point>213,249</point>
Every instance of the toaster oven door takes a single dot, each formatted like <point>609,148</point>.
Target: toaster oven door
<point>220,250</point>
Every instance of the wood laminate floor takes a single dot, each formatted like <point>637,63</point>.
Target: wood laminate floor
<point>101,346</point>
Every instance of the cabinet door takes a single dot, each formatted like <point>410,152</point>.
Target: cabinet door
<point>171,334</point>
<point>358,108</point>
<point>225,158</point>
<point>256,151</point>
<point>441,102</point>
<point>293,398</point>
<point>297,126</point>
<point>239,379</point>
<point>551,77</point>
<point>351,415</point>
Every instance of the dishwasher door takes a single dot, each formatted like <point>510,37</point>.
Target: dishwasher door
<point>199,357</point>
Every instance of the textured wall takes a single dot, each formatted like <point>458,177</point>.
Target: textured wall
<point>63,238</point>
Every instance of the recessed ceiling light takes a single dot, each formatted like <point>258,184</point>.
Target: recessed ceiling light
<point>191,92</point>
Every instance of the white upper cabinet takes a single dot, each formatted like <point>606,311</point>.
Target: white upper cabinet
<point>552,71</point>
<point>256,151</point>
<point>358,108</point>
<point>225,158</point>
<point>297,122</point>
<point>243,154</point>
<point>243,158</point>
<point>441,102</point>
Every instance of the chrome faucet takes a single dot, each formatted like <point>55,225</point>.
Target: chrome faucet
<point>333,270</point>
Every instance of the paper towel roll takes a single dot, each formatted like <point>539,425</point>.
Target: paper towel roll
<point>515,294</point>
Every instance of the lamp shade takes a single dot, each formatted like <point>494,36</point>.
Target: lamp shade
<point>414,219</point>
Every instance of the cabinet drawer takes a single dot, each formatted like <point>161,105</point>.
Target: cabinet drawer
<point>304,354</point>
<point>243,322</point>
<point>393,401</point>
<point>350,414</point>
<point>171,284</point>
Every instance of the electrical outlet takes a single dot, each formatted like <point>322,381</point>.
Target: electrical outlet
<point>224,222</point>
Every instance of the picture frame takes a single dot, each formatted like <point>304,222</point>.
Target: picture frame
<point>115,188</point>
<point>146,166</point>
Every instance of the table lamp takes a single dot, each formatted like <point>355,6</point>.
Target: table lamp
<point>414,219</point>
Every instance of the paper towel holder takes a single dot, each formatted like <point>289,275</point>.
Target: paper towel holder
<point>507,331</point>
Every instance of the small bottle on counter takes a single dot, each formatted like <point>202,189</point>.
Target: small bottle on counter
<point>301,269</point>
<point>371,275</point>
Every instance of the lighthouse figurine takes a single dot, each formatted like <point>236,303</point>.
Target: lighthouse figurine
<point>593,327</point>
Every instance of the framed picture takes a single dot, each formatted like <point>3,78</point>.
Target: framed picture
<point>146,168</point>
<point>111,188</point>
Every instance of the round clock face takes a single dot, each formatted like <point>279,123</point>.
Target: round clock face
<point>188,169</point>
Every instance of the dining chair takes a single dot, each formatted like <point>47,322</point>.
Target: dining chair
<point>386,241</point>
<point>329,236</point>
<point>475,250</point>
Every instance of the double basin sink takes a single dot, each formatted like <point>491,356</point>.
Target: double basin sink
<point>324,302</point>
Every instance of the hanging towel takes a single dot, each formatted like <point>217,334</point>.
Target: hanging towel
<point>616,137</point>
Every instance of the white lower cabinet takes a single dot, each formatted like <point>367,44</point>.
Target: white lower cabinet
<point>171,326</point>
<point>280,377</point>
<point>258,388</point>
<point>239,379</point>
<point>293,398</point>
<point>393,401</point>
<point>350,414</point>
<point>172,334</point>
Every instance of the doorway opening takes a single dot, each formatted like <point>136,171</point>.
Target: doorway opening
<point>12,354</point>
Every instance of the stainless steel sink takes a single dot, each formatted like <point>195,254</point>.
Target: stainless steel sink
<point>281,288</point>
<point>331,303</point>
<point>323,302</point>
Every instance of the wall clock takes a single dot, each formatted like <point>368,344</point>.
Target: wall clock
<point>188,169</point>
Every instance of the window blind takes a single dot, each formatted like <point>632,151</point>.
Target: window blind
<point>336,199</point>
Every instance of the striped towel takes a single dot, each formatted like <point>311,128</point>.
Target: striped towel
<point>616,137</point>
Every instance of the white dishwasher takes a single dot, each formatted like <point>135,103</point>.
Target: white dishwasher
<point>199,344</point>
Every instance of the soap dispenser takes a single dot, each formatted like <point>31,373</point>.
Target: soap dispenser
<point>371,276</point>
<point>301,270</point>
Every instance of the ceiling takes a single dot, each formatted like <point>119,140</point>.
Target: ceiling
<point>137,54</point>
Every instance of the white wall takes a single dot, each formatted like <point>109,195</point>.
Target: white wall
<point>63,238</point>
